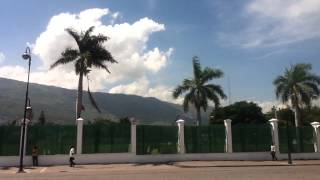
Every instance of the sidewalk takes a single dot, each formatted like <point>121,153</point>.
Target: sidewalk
<point>199,164</point>
<point>163,166</point>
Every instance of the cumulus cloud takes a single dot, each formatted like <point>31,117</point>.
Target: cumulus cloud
<point>142,87</point>
<point>128,44</point>
<point>2,57</point>
<point>278,22</point>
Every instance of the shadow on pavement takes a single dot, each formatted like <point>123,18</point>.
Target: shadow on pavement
<point>154,164</point>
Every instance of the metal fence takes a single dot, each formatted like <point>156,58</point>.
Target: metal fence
<point>157,139</point>
<point>115,138</point>
<point>51,139</point>
<point>57,139</point>
<point>106,138</point>
<point>301,139</point>
<point>9,140</point>
<point>204,139</point>
<point>251,137</point>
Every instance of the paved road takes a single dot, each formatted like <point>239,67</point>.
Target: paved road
<point>226,170</point>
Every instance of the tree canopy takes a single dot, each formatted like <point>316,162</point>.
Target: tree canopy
<point>239,112</point>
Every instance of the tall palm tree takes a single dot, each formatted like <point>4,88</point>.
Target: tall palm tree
<point>89,53</point>
<point>297,87</point>
<point>198,90</point>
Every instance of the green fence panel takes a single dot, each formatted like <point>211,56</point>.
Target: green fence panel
<point>251,137</point>
<point>51,139</point>
<point>204,139</point>
<point>157,139</point>
<point>302,139</point>
<point>9,140</point>
<point>106,138</point>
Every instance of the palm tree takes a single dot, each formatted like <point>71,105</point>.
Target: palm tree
<point>89,53</point>
<point>198,91</point>
<point>297,86</point>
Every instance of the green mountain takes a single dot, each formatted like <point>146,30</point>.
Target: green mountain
<point>58,105</point>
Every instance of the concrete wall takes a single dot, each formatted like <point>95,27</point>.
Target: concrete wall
<point>132,158</point>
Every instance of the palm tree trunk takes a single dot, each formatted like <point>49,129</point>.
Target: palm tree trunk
<point>297,116</point>
<point>198,116</point>
<point>297,119</point>
<point>79,96</point>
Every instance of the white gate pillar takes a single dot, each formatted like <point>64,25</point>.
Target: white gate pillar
<point>134,123</point>
<point>181,145</point>
<point>79,135</point>
<point>228,140</point>
<point>316,133</point>
<point>275,134</point>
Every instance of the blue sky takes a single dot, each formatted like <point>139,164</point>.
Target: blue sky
<point>252,41</point>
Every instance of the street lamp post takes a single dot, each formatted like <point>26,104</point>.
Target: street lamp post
<point>26,56</point>
<point>289,143</point>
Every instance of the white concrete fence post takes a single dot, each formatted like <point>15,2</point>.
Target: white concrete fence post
<point>316,133</point>
<point>275,134</point>
<point>228,140</point>
<point>133,146</point>
<point>79,135</point>
<point>181,145</point>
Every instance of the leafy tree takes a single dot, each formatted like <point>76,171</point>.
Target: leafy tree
<point>239,112</point>
<point>103,121</point>
<point>198,91</point>
<point>283,115</point>
<point>88,54</point>
<point>42,118</point>
<point>124,120</point>
<point>310,115</point>
<point>297,87</point>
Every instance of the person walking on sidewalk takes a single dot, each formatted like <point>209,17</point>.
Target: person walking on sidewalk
<point>71,155</point>
<point>273,152</point>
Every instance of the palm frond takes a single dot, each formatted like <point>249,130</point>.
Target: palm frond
<point>87,34</point>
<point>186,85</point>
<point>92,100</point>
<point>216,89</point>
<point>212,95</point>
<point>196,68</point>
<point>67,56</point>
<point>279,79</point>
<point>210,73</point>
<point>202,98</point>
<point>98,64</point>
<point>189,98</point>
<point>101,54</point>
<point>76,36</point>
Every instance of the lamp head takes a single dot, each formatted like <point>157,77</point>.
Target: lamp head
<point>26,56</point>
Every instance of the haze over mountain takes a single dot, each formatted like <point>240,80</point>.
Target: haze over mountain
<point>58,105</point>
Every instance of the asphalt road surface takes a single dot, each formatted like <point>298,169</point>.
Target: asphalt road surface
<point>196,170</point>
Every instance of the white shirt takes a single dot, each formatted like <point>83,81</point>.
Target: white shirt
<point>71,153</point>
<point>273,148</point>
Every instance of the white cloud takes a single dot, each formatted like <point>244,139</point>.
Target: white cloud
<point>2,57</point>
<point>142,87</point>
<point>128,43</point>
<point>114,17</point>
<point>278,22</point>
